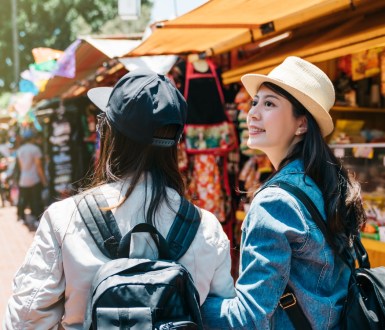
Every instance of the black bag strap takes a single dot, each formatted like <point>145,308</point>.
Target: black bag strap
<point>288,302</point>
<point>105,231</point>
<point>100,223</point>
<point>362,255</point>
<point>183,229</point>
<point>125,244</point>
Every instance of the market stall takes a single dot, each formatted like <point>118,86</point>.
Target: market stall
<point>241,39</point>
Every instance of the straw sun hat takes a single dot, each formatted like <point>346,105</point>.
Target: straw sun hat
<point>306,82</point>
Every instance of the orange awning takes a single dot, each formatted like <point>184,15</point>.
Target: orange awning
<point>351,37</point>
<point>220,25</point>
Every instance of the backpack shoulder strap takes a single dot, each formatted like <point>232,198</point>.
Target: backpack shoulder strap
<point>100,223</point>
<point>183,229</point>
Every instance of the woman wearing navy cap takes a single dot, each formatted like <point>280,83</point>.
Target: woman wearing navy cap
<point>141,123</point>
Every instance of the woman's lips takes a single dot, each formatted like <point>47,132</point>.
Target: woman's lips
<point>255,130</point>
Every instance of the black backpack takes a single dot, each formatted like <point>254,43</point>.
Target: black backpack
<point>364,306</point>
<point>140,294</point>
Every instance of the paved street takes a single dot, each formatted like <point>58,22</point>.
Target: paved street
<point>15,240</point>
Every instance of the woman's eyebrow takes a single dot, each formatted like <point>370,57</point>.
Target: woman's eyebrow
<point>266,96</point>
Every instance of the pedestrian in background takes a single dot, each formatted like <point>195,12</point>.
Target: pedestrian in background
<point>281,244</point>
<point>142,120</point>
<point>31,179</point>
<point>4,168</point>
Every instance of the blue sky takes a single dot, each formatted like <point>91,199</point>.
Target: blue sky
<point>168,9</point>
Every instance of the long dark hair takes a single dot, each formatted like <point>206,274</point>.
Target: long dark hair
<point>121,157</point>
<point>341,192</point>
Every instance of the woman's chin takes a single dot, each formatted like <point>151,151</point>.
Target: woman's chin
<point>254,144</point>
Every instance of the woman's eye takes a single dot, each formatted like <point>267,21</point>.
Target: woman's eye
<point>254,103</point>
<point>269,104</point>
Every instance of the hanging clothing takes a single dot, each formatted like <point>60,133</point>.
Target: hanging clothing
<point>206,186</point>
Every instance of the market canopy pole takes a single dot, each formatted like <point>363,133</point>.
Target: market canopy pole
<point>15,39</point>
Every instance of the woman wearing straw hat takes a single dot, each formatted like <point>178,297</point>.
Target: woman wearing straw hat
<point>281,245</point>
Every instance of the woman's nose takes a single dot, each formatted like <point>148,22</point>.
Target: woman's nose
<point>254,112</point>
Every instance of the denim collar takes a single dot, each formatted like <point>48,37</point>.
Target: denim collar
<point>295,166</point>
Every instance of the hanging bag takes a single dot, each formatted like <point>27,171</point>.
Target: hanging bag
<point>208,128</point>
<point>209,137</point>
<point>364,307</point>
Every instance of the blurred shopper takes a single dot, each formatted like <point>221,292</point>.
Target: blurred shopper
<point>137,172</point>
<point>4,168</point>
<point>31,179</point>
<point>281,244</point>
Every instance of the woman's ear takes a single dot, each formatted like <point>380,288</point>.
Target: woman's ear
<point>302,126</point>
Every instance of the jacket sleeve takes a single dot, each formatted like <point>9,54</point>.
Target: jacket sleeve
<point>37,301</point>
<point>223,283</point>
<point>273,223</point>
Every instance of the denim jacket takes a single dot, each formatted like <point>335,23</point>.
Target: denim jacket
<point>281,244</point>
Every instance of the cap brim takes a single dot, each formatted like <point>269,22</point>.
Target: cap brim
<point>252,82</point>
<point>100,96</point>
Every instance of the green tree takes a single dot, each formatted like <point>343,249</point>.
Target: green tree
<point>55,24</point>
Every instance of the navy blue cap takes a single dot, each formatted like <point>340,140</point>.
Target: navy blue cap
<point>141,102</point>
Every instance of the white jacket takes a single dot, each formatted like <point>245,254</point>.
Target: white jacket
<point>50,289</point>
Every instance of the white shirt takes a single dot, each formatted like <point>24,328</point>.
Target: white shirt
<point>27,155</point>
<point>52,285</point>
